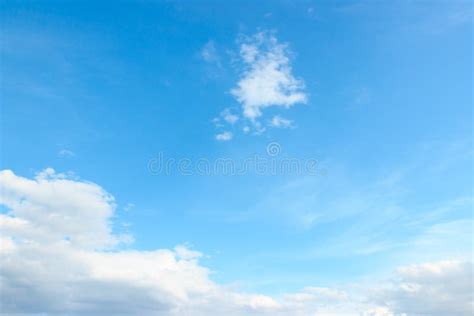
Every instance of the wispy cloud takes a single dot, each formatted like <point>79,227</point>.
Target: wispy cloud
<point>278,121</point>
<point>229,117</point>
<point>224,136</point>
<point>209,53</point>
<point>66,153</point>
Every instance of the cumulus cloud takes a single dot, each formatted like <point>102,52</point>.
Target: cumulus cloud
<point>60,256</point>
<point>52,207</point>
<point>447,293</point>
<point>435,288</point>
<point>267,79</point>
<point>224,136</point>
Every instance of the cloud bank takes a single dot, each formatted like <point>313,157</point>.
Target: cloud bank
<point>60,256</point>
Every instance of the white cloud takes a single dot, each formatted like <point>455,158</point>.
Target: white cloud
<point>224,136</point>
<point>52,259</point>
<point>59,256</point>
<point>443,287</point>
<point>66,153</point>
<point>229,117</point>
<point>316,297</point>
<point>52,207</point>
<point>435,288</point>
<point>267,79</point>
<point>278,121</point>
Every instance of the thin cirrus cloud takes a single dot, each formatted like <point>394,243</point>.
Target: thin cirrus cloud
<point>53,221</point>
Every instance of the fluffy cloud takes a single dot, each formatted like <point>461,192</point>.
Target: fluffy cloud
<point>267,79</point>
<point>436,288</point>
<point>52,207</point>
<point>228,117</point>
<point>60,256</point>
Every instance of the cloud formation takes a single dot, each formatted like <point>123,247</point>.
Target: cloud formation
<point>267,79</point>
<point>229,117</point>
<point>224,136</point>
<point>52,207</point>
<point>436,288</point>
<point>60,256</point>
<point>278,121</point>
<point>66,153</point>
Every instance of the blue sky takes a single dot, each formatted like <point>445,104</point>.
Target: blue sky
<point>378,93</point>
